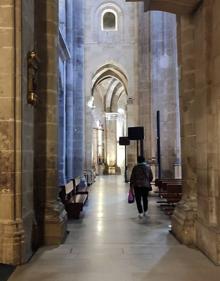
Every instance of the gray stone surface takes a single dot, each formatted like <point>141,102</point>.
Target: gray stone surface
<point>198,214</point>
<point>116,48</point>
<point>109,242</point>
<point>164,89</point>
<point>27,130</point>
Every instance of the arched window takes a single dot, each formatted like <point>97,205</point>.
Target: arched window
<point>109,20</point>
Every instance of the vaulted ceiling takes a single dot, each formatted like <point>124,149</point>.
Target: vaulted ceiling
<point>109,83</point>
<point>179,7</point>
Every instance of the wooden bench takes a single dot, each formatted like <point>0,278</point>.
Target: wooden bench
<point>161,183</point>
<point>73,198</point>
<point>170,192</point>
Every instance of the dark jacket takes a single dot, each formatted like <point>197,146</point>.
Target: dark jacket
<point>141,176</point>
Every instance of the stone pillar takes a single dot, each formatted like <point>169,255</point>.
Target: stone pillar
<point>69,110</point>
<point>207,114</point>
<point>51,215</point>
<point>164,89</point>
<point>28,215</point>
<point>78,103</point>
<point>144,82</point>
<point>88,138</point>
<point>111,145</point>
<point>183,220</point>
<point>11,228</point>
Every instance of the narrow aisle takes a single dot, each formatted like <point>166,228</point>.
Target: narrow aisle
<point>109,242</point>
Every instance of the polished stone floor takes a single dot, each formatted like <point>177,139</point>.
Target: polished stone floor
<point>109,242</point>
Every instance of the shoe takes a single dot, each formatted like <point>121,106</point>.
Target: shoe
<point>145,214</point>
<point>140,215</point>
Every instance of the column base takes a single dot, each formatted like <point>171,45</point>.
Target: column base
<point>11,242</point>
<point>183,223</point>
<point>111,170</point>
<point>208,241</point>
<point>55,226</point>
<point>177,171</point>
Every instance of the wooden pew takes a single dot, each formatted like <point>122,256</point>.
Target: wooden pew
<point>161,183</point>
<point>73,198</point>
<point>170,192</point>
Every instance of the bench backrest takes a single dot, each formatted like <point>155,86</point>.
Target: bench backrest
<point>69,187</point>
<point>168,180</point>
<point>170,187</point>
<point>160,182</point>
<point>77,181</point>
<point>174,188</point>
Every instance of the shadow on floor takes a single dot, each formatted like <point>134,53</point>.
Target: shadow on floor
<point>6,271</point>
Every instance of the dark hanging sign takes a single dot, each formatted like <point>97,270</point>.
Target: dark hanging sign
<point>136,133</point>
<point>124,141</point>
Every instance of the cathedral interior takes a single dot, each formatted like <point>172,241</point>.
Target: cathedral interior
<point>75,75</point>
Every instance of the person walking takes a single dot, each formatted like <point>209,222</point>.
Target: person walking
<point>140,180</point>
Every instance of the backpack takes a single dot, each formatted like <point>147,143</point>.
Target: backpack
<point>141,176</point>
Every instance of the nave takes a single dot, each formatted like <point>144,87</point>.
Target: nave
<point>109,242</point>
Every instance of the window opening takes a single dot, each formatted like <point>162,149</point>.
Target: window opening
<point>109,20</point>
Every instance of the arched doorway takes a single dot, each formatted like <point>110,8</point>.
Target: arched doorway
<point>109,104</point>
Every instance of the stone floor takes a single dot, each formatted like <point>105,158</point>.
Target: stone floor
<point>109,242</point>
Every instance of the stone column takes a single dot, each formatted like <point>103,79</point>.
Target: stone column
<point>111,146</point>
<point>164,89</point>
<point>183,220</point>
<point>207,114</point>
<point>88,138</point>
<point>28,215</point>
<point>70,15</point>
<point>51,215</point>
<point>144,81</point>
<point>11,228</point>
<point>78,105</point>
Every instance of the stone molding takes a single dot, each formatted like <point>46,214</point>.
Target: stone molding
<point>208,240</point>
<point>11,242</point>
<point>183,222</point>
<point>179,7</point>
<point>55,223</point>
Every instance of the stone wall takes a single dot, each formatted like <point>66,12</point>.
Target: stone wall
<point>11,230</point>
<point>50,215</point>
<point>29,211</point>
<point>165,89</point>
<point>118,48</point>
<point>27,129</point>
<point>207,85</point>
<point>185,213</point>
<point>78,91</point>
<point>68,102</point>
<point>144,81</point>
<point>197,218</point>
<point>71,92</point>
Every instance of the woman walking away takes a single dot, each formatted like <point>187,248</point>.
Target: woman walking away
<point>140,180</point>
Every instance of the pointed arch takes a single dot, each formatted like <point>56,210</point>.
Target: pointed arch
<point>109,71</point>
